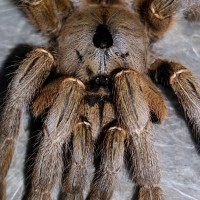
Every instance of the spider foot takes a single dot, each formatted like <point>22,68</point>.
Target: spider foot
<point>193,13</point>
<point>153,193</point>
<point>2,189</point>
<point>42,14</point>
<point>68,196</point>
<point>40,195</point>
<point>158,14</point>
<point>6,152</point>
<point>163,9</point>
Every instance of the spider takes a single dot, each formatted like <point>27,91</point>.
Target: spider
<point>100,96</point>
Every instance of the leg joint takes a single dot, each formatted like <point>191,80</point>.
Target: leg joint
<point>69,80</point>
<point>119,130</point>
<point>87,124</point>
<point>126,71</point>
<point>45,52</point>
<point>32,2</point>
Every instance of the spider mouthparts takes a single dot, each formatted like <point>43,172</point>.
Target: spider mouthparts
<point>99,81</point>
<point>102,80</point>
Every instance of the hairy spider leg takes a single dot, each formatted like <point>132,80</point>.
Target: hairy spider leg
<point>58,126</point>
<point>134,113</point>
<point>106,177</point>
<point>77,177</point>
<point>28,79</point>
<point>185,86</point>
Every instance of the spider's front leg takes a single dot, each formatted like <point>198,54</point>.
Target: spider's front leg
<point>185,86</point>
<point>193,13</point>
<point>46,15</point>
<point>133,106</point>
<point>28,79</point>
<point>158,14</point>
<point>57,130</point>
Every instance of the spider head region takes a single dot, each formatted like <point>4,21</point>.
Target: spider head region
<point>100,81</point>
<point>102,38</point>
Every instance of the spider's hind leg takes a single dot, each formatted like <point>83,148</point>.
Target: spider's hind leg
<point>185,86</point>
<point>28,79</point>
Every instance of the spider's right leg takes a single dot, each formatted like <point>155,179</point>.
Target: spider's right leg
<point>158,15</point>
<point>193,13</point>
<point>28,79</point>
<point>133,111</point>
<point>185,86</point>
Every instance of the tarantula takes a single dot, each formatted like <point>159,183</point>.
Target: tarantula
<point>100,94</point>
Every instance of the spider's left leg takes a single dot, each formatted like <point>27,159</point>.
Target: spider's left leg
<point>29,77</point>
<point>133,111</point>
<point>57,129</point>
<point>43,14</point>
<point>185,86</point>
<point>46,15</point>
<point>76,178</point>
<point>111,162</point>
<point>81,154</point>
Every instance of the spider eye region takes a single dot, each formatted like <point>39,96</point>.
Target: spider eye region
<point>102,38</point>
<point>100,81</point>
